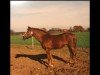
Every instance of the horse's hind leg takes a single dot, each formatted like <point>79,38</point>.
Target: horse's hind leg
<point>72,51</point>
<point>49,56</point>
<point>72,47</point>
<point>72,55</point>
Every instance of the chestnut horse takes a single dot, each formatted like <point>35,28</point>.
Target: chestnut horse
<point>49,41</point>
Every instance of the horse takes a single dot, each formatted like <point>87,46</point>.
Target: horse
<point>49,42</point>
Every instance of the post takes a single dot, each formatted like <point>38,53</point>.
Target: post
<point>32,42</point>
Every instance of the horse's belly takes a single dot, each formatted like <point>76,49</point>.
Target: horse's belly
<point>58,45</point>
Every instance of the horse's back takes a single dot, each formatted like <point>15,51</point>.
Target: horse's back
<point>54,41</point>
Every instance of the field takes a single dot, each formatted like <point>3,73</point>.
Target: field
<point>26,60</point>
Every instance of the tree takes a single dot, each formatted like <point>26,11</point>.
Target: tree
<point>12,32</point>
<point>78,29</point>
<point>88,29</point>
<point>70,29</point>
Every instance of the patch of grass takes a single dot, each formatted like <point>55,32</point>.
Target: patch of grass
<point>83,40</point>
<point>17,39</point>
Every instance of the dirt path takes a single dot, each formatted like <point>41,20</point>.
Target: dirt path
<point>27,61</point>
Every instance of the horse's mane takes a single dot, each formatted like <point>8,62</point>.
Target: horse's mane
<point>39,29</point>
<point>61,33</point>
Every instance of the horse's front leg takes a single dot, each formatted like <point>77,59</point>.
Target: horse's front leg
<point>49,56</point>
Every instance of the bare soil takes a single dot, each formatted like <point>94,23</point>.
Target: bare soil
<point>27,61</point>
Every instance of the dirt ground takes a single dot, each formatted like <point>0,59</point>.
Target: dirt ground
<point>27,61</point>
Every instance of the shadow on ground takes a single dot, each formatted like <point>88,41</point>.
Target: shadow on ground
<point>40,57</point>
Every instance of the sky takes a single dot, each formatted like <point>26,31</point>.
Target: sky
<point>49,14</point>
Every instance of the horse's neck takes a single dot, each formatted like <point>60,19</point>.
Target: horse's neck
<point>39,35</point>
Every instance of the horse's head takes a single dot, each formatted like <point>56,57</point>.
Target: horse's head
<point>27,34</point>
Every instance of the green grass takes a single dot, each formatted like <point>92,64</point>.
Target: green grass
<point>17,39</point>
<point>83,40</point>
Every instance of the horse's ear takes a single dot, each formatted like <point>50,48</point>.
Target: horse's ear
<point>29,27</point>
